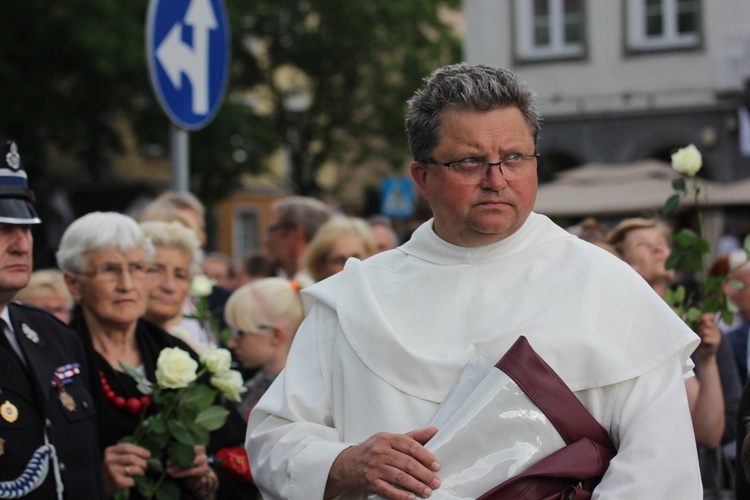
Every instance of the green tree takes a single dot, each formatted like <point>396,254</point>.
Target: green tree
<point>73,70</point>
<point>359,62</point>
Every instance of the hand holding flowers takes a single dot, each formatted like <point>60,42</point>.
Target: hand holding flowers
<point>177,433</point>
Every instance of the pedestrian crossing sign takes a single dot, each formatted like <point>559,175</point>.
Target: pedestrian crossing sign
<point>397,197</point>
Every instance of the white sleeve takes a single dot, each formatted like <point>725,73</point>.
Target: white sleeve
<point>291,441</point>
<point>651,427</point>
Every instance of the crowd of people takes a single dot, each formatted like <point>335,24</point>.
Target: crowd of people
<point>347,347</point>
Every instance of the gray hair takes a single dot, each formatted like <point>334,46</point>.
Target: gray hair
<point>464,86</point>
<point>99,231</point>
<point>175,235</point>
<point>181,201</point>
<point>304,211</point>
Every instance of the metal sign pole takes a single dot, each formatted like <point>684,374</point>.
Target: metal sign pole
<point>179,141</point>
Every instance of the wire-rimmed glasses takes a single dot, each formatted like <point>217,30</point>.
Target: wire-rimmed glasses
<point>472,171</point>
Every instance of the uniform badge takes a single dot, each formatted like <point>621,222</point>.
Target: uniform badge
<point>9,412</point>
<point>30,334</point>
<point>13,159</point>
<point>63,376</point>
<point>67,400</point>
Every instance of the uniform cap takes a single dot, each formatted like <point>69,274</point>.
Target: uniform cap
<point>16,199</point>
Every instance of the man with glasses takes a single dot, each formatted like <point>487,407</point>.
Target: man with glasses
<point>385,340</point>
<point>48,436</point>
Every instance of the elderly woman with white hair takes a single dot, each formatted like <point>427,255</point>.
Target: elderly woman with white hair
<point>177,259</point>
<point>105,258</point>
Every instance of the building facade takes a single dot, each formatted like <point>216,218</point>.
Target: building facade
<point>623,80</point>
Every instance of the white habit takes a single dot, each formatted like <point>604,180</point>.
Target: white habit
<point>385,340</point>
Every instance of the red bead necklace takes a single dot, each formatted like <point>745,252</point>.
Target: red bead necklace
<point>131,405</point>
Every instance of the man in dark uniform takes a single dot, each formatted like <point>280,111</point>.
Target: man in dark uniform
<point>48,440</point>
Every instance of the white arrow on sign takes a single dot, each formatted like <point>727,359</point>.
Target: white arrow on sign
<point>176,57</point>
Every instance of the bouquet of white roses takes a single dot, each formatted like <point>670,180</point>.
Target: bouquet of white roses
<point>186,412</point>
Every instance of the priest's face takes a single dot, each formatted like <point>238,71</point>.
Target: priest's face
<point>492,208</point>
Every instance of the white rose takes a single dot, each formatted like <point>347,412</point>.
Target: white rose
<point>215,359</point>
<point>175,368</point>
<point>201,286</point>
<point>230,383</point>
<point>687,160</point>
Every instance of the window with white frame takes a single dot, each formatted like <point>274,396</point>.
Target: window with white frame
<point>663,24</point>
<point>549,29</point>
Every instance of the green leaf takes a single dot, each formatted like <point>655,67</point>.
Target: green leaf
<point>693,315</point>
<point>679,185</point>
<point>671,205</point>
<point>181,454</point>
<point>180,433</point>
<point>122,494</point>
<point>156,425</point>
<point>144,384</point>
<point>168,490</point>
<point>155,465</point>
<point>746,244</point>
<point>732,308</point>
<point>156,442</point>
<point>686,238</point>
<point>673,260</point>
<point>201,435</point>
<point>128,440</point>
<point>146,485</point>
<point>200,395</point>
<point>212,418</point>
<point>695,261</point>
<point>703,246</point>
<point>727,317</point>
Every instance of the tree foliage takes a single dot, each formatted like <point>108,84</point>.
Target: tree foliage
<point>72,69</point>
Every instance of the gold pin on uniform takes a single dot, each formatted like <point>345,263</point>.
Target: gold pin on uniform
<point>9,412</point>
<point>67,400</point>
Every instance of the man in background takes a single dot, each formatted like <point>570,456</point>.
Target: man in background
<point>294,221</point>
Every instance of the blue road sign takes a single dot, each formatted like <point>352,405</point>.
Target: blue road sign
<point>187,47</point>
<point>396,197</point>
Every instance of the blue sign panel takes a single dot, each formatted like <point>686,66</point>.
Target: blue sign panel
<point>397,197</point>
<point>187,47</point>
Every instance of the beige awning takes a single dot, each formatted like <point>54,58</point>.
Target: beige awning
<point>599,189</point>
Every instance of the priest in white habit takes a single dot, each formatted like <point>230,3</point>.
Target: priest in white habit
<point>385,341</point>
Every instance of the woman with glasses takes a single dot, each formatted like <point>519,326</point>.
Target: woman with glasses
<point>335,242</point>
<point>105,258</point>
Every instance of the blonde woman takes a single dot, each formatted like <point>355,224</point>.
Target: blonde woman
<point>335,242</point>
<point>47,290</point>
<point>264,316</point>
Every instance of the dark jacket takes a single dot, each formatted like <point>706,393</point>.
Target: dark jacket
<point>738,341</point>
<point>37,402</point>
<point>115,424</point>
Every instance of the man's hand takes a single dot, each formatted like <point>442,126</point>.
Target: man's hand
<point>394,466</point>
<point>710,335</point>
